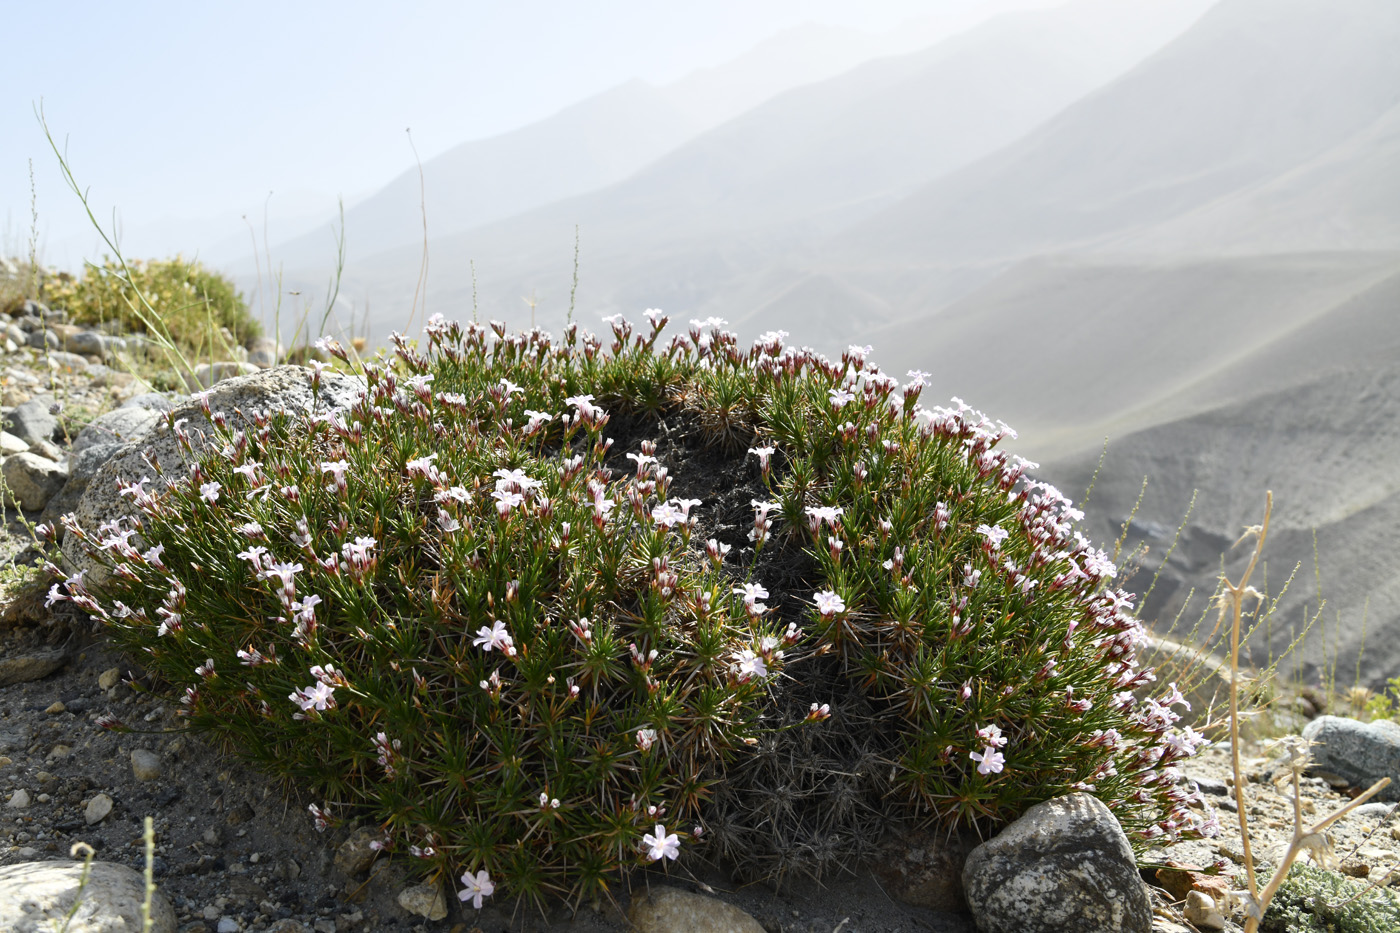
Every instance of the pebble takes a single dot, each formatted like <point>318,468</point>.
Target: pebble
<point>145,765</point>
<point>56,707</point>
<point>1201,911</point>
<point>97,809</point>
<point>109,678</point>
<point>227,925</point>
<point>19,800</point>
<point>424,900</point>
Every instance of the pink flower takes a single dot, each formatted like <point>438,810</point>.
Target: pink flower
<point>990,761</point>
<point>993,534</point>
<point>992,736</point>
<point>476,888</point>
<point>659,845</point>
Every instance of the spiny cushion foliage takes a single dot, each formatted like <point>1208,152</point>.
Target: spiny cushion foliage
<point>455,608</point>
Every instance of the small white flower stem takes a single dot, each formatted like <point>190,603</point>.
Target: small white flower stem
<point>1258,902</point>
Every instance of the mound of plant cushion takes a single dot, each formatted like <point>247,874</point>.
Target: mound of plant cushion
<point>478,609</point>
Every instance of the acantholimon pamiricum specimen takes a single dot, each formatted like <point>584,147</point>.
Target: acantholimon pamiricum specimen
<point>459,610</point>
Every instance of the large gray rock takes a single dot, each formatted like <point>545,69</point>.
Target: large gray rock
<point>207,374</point>
<point>1064,865</point>
<point>32,480</point>
<point>124,424</point>
<point>32,422</point>
<point>1360,752</point>
<point>82,467</point>
<point>285,387</point>
<point>155,401</point>
<point>664,909</point>
<point>35,897</point>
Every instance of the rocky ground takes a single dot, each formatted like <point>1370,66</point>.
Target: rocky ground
<point>236,852</point>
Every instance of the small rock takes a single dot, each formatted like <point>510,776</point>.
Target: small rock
<point>324,925</point>
<point>1361,753</point>
<point>212,911</point>
<point>56,707</point>
<point>227,925</point>
<point>424,900</point>
<point>1065,864</point>
<point>31,666</point>
<point>1372,811</point>
<point>664,909</point>
<point>87,343</point>
<point>109,678</point>
<point>1354,868</point>
<point>49,451</point>
<point>265,353</point>
<point>288,925</point>
<point>67,363</point>
<point>44,339</point>
<point>31,422</point>
<point>355,854</point>
<point>13,396</point>
<point>40,895</point>
<point>96,809</point>
<point>59,751</point>
<point>32,480</point>
<point>9,444</point>
<point>1212,786</point>
<point>1201,911</point>
<point>145,765</point>
<point>19,800</point>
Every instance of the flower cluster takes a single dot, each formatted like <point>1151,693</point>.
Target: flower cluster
<point>454,606</point>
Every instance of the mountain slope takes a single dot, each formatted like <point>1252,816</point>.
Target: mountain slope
<point>1254,89</point>
<point>588,145</point>
<point>699,222</point>
<point>1068,349</point>
<point>1346,198</point>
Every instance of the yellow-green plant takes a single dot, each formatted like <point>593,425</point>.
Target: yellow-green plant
<point>192,302</point>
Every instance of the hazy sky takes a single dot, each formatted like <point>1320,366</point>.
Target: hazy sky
<point>195,111</point>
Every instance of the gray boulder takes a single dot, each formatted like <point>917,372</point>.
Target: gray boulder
<point>37,896</point>
<point>32,665</point>
<point>265,353</point>
<point>31,422</point>
<point>123,424</point>
<point>1064,865</point>
<point>87,343</point>
<point>32,480</point>
<point>207,374</point>
<point>1361,753</point>
<point>82,467</point>
<point>154,401</point>
<point>285,387</point>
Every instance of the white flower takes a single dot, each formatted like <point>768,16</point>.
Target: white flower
<point>209,492</point>
<point>645,737</point>
<point>990,761</point>
<point>829,603</point>
<point>659,845</point>
<point>749,665</point>
<point>494,637</point>
<point>476,888</point>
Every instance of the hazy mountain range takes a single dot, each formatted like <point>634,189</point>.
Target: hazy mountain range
<point>1173,224</point>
